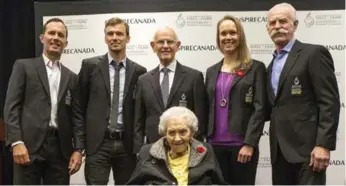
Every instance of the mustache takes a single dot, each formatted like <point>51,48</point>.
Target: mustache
<point>279,31</point>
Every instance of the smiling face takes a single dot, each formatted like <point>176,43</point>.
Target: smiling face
<point>281,24</point>
<point>116,37</point>
<point>165,45</point>
<point>228,37</point>
<point>54,38</point>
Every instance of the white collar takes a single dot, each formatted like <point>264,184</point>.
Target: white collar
<point>172,66</point>
<point>110,59</point>
<point>46,61</point>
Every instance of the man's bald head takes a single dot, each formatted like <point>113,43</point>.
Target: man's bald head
<point>281,24</point>
<point>284,7</point>
<point>164,30</point>
<point>165,44</point>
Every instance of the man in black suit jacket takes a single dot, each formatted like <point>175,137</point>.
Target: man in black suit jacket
<point>181,86</point>
<point>304,100</point>
<point>105,105</point>
<point>38,114</point>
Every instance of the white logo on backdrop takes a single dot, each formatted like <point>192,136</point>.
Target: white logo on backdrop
<point>309,20</point>
<point>323,19</point>
<point>76,24</point>
<point>180,21</point>
<point>193,20</point>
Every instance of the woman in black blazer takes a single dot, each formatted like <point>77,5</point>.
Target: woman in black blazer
<point>236,88</point>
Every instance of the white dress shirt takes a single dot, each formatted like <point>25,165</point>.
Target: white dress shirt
<point>172,66</point>
<point>122,75</point>
<point>53,74</point>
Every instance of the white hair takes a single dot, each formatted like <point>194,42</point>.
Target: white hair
<point>286,6</point>
<point>166,28</point>
<point>181,113</point>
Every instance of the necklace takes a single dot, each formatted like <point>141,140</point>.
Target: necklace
<point>223,102</point>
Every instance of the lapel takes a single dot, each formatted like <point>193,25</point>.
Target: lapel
<point>270,87</point>
<point>197,152</point>
<point>155,82</point>
<point>179,75</point>
<point>291,59</point>
<point>104,66</point>
<point>130,69</point>
<point>213,75</point>
<point>238,78</point>
<point>42,73</point>
<point>64,77</point>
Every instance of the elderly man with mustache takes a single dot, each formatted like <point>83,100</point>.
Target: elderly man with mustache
<point>304,102</point>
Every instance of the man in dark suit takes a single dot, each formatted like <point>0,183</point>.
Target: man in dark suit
<point>169,84</point>
<point>38,114</point>
<point>304,100</point>
<point>105,105</point>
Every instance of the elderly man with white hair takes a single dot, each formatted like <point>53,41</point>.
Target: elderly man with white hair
<point>304,101</point>
<point>177,158</point>
<point>169,84</point>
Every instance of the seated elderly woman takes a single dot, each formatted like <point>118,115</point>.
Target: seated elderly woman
<point>177,158</point>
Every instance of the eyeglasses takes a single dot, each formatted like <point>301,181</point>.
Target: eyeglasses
<point>163,42</point>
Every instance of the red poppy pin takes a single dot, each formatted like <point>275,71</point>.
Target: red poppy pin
<point>200,149</point>
<point>240,73</point>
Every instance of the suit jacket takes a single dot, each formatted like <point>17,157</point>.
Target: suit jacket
<point>247,102</point>
<point>187,90</point>
<point>28,107</point>
<point>305,111</point>
<point>152,166</point>
<point>94,100</point>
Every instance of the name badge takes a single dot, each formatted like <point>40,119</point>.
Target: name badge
<point>296,87</point>
<point>249,95</point>
<point>182,101</point>
<point>68,98</point>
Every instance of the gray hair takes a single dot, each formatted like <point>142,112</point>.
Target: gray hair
<point>166,28</point>
<point>178,112</point>
<point>288,7</point>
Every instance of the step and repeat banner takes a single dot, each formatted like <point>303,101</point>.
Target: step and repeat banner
<point>197,32</point>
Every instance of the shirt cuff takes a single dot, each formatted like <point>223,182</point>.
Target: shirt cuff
<point>16,143</point>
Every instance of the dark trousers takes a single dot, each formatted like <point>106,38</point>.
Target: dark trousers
<point>7,166</point>
<point>48,166</point>
<point>111,154</point>
<point>285,173</point>
<point>234,172</point>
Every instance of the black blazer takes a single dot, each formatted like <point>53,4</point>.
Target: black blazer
<point>94,101</point>
<point>152,166</point>
<point>305,111</point>
<point>188,88</point>
<point>246,116</point>
<point>28,106</point>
